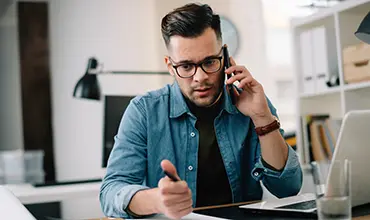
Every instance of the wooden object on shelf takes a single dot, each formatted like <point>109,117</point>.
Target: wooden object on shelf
<point>318,152</point>
<point>321,133</point>
<point>356,63</point>
<point>324,136</point>
<point>319,139</point>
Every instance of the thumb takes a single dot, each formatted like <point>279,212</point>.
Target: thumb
<point>169,167</point>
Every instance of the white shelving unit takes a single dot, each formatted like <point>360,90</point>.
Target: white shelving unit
<point>340,23</point>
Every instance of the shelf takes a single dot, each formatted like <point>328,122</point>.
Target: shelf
<point>356,86</point>
<point>353,5</point>
<point>322,93</point>
<point>312,19</point>
<point>340,23</point>
<point>347,87</point>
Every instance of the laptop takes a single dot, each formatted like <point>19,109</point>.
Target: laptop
<point>353,144</point>
<point>11,207</point>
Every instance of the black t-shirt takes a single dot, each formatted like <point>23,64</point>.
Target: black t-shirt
<point>213,186</point>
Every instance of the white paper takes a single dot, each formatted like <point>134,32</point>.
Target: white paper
<point>191,216</point>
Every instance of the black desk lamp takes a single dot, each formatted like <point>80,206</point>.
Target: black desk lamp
<point>88,86</point>
<point>363,31</point>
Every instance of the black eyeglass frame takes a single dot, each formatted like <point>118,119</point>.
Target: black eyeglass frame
<point>200,64</point>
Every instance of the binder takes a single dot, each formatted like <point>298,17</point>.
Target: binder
<point>320,58</point>
<point>308,80</point>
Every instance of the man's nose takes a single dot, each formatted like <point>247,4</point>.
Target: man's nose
<point>200,75</point>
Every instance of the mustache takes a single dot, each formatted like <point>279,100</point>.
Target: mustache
<point>202,86</point>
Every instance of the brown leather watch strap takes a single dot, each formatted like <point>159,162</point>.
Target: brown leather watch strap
<point>268,128</point>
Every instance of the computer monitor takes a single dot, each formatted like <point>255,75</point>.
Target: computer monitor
<point>114,107</point>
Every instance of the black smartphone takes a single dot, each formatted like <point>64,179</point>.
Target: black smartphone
<point>227,64</point>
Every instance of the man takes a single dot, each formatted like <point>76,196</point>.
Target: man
<point>192,130</point>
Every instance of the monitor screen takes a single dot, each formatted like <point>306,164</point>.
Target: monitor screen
<point>114,107</point>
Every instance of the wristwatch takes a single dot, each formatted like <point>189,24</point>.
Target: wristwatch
<point>268,128</point>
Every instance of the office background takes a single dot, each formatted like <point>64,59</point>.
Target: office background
<point>123,35</point>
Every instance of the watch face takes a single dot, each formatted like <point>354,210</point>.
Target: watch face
<point>229,35</point>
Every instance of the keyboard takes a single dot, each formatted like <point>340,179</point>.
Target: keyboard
<point>306,205</point>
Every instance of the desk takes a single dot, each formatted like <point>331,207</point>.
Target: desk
<point>28,194</point>
<point>232,211</point>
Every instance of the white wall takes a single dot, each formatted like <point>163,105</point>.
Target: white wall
<point>120,34</point>
<point>117,35</point>
<point>11,127</point>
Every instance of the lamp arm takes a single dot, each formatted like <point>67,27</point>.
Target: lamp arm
<point>97,68</point>
<point>136,72</point>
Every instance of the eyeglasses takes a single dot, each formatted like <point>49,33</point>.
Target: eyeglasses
<point>209,65</point>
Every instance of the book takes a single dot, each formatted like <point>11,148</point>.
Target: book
<point>312,146</point>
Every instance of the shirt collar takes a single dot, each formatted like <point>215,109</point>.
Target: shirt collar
<point>179,107</point>
<point>227,104</point>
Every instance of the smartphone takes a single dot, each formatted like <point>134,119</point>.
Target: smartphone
<point>227,64</point>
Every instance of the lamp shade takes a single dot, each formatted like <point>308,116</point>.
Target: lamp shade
<point>88,86</point>
<point>363,31</point>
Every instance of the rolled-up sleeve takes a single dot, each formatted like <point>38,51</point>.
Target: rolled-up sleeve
<point>126,169</point>
<point>284,183</point>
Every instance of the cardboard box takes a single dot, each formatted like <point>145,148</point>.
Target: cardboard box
<point>356,63</point>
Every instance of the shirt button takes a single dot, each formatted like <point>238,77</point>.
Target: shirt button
<point>255,173</point>
<point>190,168</point>
<point>192,134</point>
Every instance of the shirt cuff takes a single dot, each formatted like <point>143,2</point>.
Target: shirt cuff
<point>124,196</point>
<point>268,166</point>
<point>292,164</point>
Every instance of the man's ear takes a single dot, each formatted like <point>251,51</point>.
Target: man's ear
<point>169,65</point>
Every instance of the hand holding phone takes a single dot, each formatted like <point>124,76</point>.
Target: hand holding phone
<point>227,64</point>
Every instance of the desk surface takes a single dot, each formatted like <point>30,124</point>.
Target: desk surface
<point>29,194</point>
<point>232,211</point>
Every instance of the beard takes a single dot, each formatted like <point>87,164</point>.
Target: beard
<point>205,95</point>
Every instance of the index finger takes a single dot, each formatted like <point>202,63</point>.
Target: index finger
<point>235,69</point>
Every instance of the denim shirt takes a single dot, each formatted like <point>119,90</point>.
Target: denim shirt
<point>159,126</point>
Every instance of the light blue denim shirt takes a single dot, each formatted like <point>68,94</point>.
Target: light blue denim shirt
<point>159,126</point>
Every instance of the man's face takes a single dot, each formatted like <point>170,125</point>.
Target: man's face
<point>203,88</point>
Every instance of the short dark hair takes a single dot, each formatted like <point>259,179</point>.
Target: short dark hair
<point>190,20</point>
